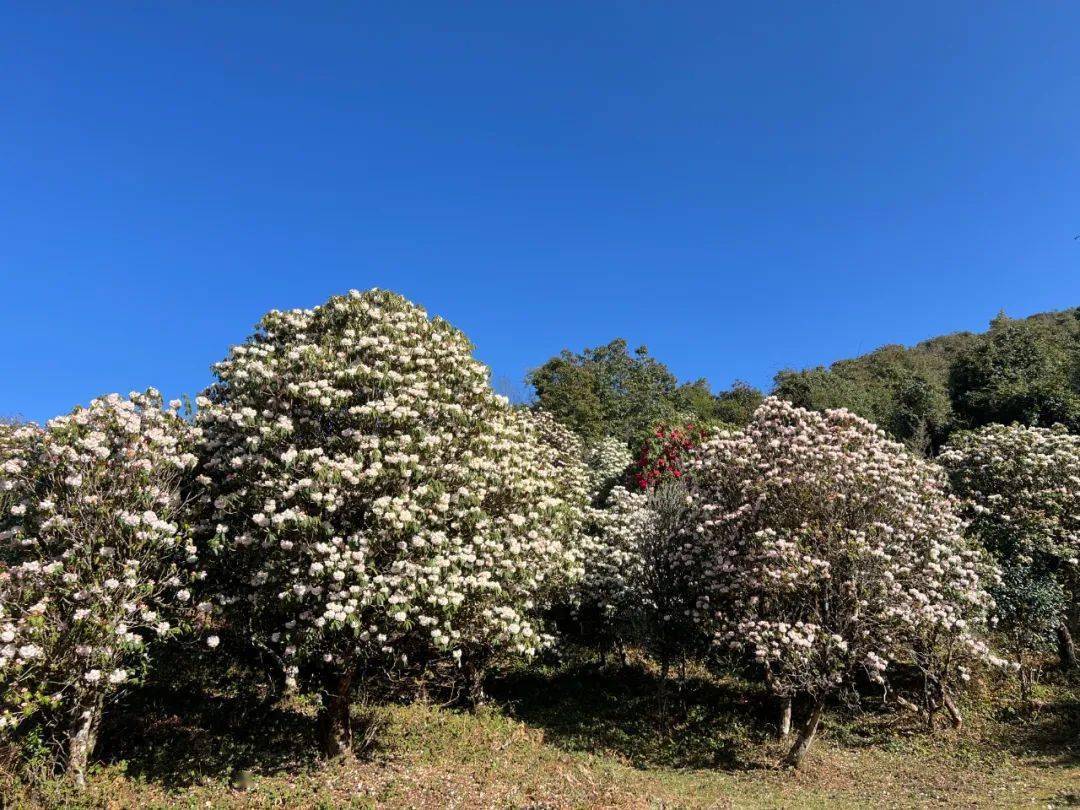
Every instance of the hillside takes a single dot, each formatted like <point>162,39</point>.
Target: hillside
<point>1025,370</point>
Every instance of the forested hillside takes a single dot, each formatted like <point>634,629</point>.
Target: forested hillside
<point>1023,370</point>
<point>1020,370</point>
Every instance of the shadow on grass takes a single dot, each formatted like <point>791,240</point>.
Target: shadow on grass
<point>615,711</point>
<point>177,739</point>
<point>1047,731</point>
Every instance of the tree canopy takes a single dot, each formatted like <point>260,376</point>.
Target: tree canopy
<point>1021,370</point>
<point>610,391</point>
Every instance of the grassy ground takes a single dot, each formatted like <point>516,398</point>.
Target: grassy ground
<point>576,737</point>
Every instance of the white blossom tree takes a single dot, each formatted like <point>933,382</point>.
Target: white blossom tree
<point>374,502</point>
<point>831,550</point>
<point>607,598</point>
<point>1021,486</point>
<point>639,585</point>
<point>95,562</point>
<point>608,461</point>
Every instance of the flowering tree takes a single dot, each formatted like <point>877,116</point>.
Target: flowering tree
<point>607,597</point>
<point>639,573</point>
<point>95,561</point>
<point>578,472</point>
<point>1022,488</point>
<point>665,452</point>
<point>607,461</point>
<point>373,501</point>
<point>832,551</point>
<point>639,561</point>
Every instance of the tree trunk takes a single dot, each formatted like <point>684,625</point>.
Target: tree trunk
<point>807,734</point>
<point>335,728</point>
<point>907,704</point>
<point>661,691</point>
<point>952,709</point>
<point>1066,647</point>
<point>938,698</point>
<point>784,730</point>
<point>1025,683</point>
<point>82,735</point>
<point>929,703</point>
<point>474,682</point>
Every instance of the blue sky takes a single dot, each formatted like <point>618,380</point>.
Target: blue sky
<point>742,187</point>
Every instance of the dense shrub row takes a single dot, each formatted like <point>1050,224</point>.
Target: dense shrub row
<point>351,501</point>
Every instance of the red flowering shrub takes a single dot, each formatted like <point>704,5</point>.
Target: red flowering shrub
<point>665,453</point>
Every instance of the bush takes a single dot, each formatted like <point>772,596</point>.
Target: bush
<point>664,453</point>
<point>833,552</point>
<point>607,461</point>
<point>638,583</point>
<point>375,504</point>
<point>1021,486</point>
<point>639,566</point>
<point>96,561</point>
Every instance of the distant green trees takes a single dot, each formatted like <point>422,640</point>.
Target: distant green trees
<point>903,391</point>
<point>611,391</point>
<point>1024,371</point>
<point>606,390</point>
<point>736,405</point>
<point>1021,370</point>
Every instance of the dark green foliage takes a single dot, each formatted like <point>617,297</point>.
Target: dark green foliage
<point>736,405</point>
<point>696,401</point>
<point>1025,370</point>
<point>902,390</point>
<point>1022,371</point>
<point>607,391</point>
<point>1029,601</point>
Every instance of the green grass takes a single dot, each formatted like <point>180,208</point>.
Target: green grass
<point>575,736</point>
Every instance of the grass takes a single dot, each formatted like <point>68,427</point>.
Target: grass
<point>575,736</point>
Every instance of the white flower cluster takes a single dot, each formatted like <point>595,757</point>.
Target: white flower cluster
<point>372,498</point>
<point>95,557</point>
<point>1022,486</point>
<point>607,460</point>
<point>830,548</point>
<point>615,562</point>
<point>640,577</point>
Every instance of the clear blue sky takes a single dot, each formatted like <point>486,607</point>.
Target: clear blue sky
<point>740,186</point>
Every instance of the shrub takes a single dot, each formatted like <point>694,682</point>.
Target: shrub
<point>639,573</point>
<point>375,503</point>
<point>639,564</point>
<point>833,551</point>
<point>665,452</point>
<point>96,563</point>
<point>1022,490</point>
<point>607,461</point>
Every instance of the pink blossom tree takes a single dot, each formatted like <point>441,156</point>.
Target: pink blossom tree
<point>833,551</point>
